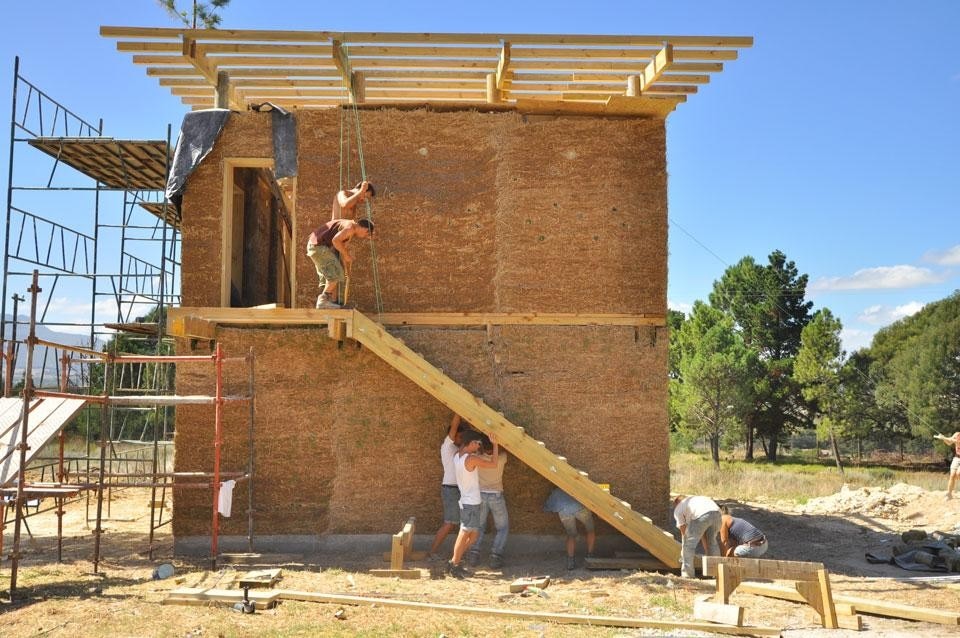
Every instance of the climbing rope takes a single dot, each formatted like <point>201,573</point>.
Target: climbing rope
<point>344,139</point>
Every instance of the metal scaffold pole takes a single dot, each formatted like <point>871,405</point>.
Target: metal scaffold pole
<point>24,431</point>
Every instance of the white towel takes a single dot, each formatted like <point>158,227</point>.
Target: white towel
<point>226,498</point>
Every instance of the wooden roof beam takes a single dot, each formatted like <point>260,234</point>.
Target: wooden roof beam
<point>503,66</point>
<point>342,62</point>
<point>226,96</point>
<point>656,67</point>
<point>436,38</point>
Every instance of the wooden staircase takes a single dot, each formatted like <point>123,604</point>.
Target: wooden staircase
<point>535,454</point>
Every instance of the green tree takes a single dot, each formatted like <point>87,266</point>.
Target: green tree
<point>862,417</point>
<point>204,12</point>
<point>769,308</point>
<point>714,368</point>
<point>817,369</point>
<point>917,367</point>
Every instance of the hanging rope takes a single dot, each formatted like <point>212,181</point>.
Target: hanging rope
<point>378,295</point>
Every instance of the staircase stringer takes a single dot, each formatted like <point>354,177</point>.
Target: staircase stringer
<point>533,453</point>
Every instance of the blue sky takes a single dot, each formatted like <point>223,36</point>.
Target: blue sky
<point>834,139</point>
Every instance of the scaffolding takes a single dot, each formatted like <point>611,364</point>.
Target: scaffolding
<point>91,236</point>
<point>104,479</point>
<point>89,213</point>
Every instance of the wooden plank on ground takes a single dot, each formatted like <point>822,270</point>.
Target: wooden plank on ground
<point>407,574</point>
<point>195,595</point>
<point>718,612</point>
<point>854,623</point>
<point>260,578</point>
<point>252,558</point>
<point>521,584</point>
<point>648,563</point>
<point>861,605</point>
<point>413,555</point>
<point>199,596</point>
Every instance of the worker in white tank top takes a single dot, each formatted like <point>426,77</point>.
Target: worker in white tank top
<point>467,462</point>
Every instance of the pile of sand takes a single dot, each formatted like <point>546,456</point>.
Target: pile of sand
<point>878,502</point>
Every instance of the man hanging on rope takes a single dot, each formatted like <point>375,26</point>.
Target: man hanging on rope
<point>328,249</point>
<point>345,201</point>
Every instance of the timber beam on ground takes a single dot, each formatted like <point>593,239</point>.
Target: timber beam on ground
<point>859,604</point>
<point>202,323</point>
<point>264,599</point>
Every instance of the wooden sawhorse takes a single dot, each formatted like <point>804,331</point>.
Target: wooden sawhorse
<point>811,580</point>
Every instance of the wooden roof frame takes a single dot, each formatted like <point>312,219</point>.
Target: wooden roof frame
<point>643,75</point>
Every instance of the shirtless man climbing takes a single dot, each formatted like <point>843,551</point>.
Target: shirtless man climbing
<point>328,248</point>
<point>345,201</point>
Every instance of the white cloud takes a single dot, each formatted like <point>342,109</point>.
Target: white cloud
<point>882,315</point>
<point>881,277</point>
<point>948,257</point>
<point>683,307</point>
<point>854,339</point>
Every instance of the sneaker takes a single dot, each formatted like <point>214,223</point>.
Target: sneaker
<point>473,559</point>
<point>571,562</point>
<point>457,571</point>
<point>434,557</point>
<point>496,561</point>
<point>589,555</point>
<point>324,302</point>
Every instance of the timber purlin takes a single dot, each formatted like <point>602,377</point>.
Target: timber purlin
<point>309,69</point>
<point>201,323</point>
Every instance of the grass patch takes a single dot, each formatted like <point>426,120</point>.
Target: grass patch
<point>790,478</point>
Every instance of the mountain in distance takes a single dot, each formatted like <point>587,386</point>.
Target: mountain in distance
<point>45,362</point>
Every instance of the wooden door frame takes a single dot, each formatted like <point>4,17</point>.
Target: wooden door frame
<point>226,226</point>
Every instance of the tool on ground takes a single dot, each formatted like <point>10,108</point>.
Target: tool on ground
<point>246,605</point>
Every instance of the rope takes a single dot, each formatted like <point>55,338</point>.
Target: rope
<point>378,293</point>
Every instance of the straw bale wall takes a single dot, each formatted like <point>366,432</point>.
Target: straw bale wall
<point>496,212</point>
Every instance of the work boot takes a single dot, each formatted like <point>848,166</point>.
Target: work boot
<point>571,562</point>
<point>473,559</point>
<point>496,561</point>
<point>324,302</point>
<point>457,571</point>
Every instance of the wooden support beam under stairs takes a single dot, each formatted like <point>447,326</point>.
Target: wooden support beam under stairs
<point>635,526</point>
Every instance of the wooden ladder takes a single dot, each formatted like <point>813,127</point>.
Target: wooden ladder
<point>528,450</point>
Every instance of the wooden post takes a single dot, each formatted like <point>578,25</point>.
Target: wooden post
<point>359,88</point>
<point>396,551</point>
<point>493,93</point>
<point>223,90</point>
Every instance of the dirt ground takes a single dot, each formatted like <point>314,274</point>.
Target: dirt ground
<point>68,599</point>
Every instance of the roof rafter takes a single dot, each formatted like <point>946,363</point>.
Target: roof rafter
<point>313,69</point>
